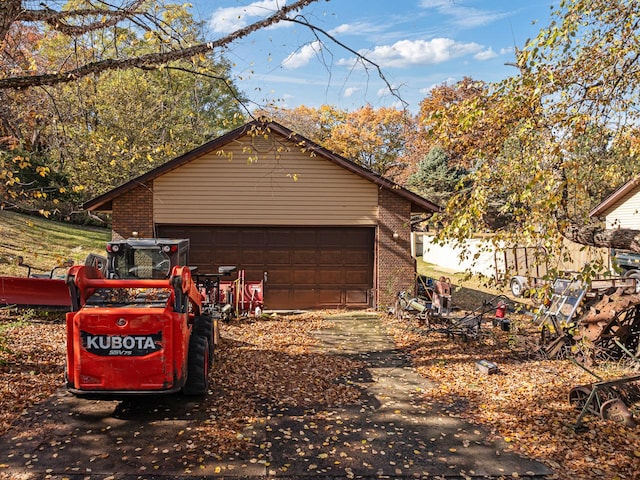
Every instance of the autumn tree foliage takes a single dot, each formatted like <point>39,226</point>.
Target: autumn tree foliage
<point>557,135</point>
<point>373,138</point>
<point>80,17</point>
<point>68,141</point>
<point>438,125</point>
<point>26,176</point>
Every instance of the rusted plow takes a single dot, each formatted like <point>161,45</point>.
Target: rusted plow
<point>608,399</point>
<point>601,321</point>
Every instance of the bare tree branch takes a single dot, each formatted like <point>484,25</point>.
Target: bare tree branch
<point>58,19</point>
<point>362,59</point>
<point>12,9</point>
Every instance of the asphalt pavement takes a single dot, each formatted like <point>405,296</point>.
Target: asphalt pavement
<point>394,432</point>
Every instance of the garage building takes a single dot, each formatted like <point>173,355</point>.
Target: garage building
<point>322,231</point>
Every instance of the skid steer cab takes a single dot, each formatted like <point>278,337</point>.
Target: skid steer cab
<point>140,328</point>
<point>145,257</point>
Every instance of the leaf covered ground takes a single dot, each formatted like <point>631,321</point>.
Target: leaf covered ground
<point>272,361</point>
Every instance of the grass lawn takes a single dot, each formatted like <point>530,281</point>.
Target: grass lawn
<point>44,244</point>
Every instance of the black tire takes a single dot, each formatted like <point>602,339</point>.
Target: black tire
<point>198,366</point>
<point>203,326</point>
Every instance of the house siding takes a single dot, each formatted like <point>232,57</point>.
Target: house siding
<point>272,182</point>
<point>396,269</point>
<point>284,186</point>
<point>625,213</point>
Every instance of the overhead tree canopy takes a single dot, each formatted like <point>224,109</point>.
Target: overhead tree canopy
<point>73,79</point>
<point>82,17</point>
<point>557,135</point>
<point>120,123</point>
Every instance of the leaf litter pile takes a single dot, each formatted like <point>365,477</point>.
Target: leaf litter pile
<point>272,362</point>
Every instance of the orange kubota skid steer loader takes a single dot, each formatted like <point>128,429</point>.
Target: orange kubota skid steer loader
<point>140,327</point>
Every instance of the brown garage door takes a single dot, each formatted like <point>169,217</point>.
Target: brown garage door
<point>304,267</point>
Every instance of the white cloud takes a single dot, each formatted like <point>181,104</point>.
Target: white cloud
<point>303,56</point>
<point>466,17</point>
<point>448,81</point>
<point>357,28</point>
<point>227,20</point>
<point>348,92</point>
<point>487,54</point>
<point>406,53</point>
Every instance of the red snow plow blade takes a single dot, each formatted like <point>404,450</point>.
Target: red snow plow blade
<point>34,292</point>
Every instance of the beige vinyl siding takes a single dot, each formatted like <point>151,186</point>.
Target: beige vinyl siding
<point>288,187</point>
<point>625,213</point>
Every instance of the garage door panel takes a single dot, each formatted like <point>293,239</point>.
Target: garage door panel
<point>329,296</point>
<point>331,277</point>
<point>306,297</point>
<point>278,277</point>
<point>250,256</point>
<point>304,238</point>
<point>255,239</point>
<point>279,298</point>
<point>353,277</point>
<point>226,237</point>
<point>202,237</point>
<point>357,257</point>
<point>278,257</point>
<point>330,256</point>
<point>278,238</point>
<point>304,256</point>
<point>199,258</point>
<point>360,236</point>
<point>355,297</point>
<point>231,255</point>
<point>303,276</point>
<point>307,267</point>
<point>330,238</point>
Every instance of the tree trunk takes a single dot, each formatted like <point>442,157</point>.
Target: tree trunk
<point>597,236</point>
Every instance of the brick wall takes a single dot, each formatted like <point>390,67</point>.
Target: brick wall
<point>133,212</point>
<point>395,268</point>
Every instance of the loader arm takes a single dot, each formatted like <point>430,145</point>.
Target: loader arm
<point>83,281</point>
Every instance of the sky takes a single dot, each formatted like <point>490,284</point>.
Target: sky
<point>417,44</point>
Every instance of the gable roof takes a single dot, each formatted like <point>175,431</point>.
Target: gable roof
<point>612,200</point>
<point>418,203</point>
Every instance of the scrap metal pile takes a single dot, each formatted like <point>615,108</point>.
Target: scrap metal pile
<point>590,324</point>
<point>432,308</point>
<point>594,323</point>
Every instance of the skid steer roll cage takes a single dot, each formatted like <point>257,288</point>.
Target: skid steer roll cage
<point>83,281</point>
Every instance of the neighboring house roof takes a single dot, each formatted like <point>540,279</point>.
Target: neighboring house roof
<point>418,203</point>
<point>615,198</point>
